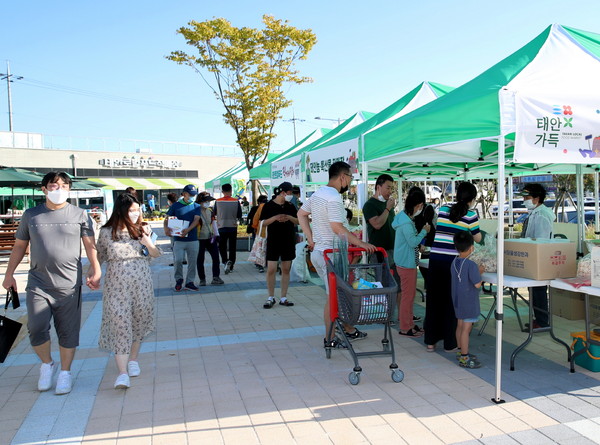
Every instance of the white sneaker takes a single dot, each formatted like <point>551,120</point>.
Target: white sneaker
<point>46,374</point>
<point>64,383</point>
<point>122,382</point>
<point>133,368</point>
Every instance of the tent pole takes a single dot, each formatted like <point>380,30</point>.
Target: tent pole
<point>580,204</point>
<point>511,213</point>
<point>400,193</point>
<point>363,196</point>
<point>596,219</point>
<point>500,269</point>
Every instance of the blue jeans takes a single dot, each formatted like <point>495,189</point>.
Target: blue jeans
<point>180,250</point>
<point>213,251</point>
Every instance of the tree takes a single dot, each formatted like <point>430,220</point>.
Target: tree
<point>247,69</point>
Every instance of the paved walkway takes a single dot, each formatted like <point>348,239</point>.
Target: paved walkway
<point>221,369</point>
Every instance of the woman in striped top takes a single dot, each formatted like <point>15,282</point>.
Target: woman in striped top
<point>440,321</point>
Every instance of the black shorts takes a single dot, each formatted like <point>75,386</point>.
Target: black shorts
<point>278,249</point>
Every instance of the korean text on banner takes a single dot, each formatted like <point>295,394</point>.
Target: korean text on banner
<point>319,161</point>
<point>557,130</point>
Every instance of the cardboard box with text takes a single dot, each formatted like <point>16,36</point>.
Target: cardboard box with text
<point>541,259</point>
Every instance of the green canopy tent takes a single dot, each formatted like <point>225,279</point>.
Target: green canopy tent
<point>290,167</point>
<point>237,176</point>
<point>537,104</point>
<point>263,172</point>
<point>349,144</point>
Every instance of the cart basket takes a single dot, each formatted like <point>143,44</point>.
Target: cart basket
<point>366,306</point>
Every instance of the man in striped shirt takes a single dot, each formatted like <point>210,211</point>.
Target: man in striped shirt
<point>328,219</point>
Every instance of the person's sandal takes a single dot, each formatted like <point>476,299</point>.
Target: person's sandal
<point>356,335</point>
<point>430,348</point>
<point>269,303</point>
<point>286,303</point>
<point>410,333</point>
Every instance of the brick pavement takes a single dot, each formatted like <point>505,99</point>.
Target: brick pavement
<point>221,369</point>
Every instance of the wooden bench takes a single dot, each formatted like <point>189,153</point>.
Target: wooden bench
<point>7,238</point>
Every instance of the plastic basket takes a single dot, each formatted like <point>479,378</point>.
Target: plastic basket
<point>591,358</point>
<point>366,306</point>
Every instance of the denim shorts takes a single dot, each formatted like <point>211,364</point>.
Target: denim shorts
<point>470,320</point>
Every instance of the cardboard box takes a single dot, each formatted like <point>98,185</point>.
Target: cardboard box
<point>541,259</point>
<point>567,304</point>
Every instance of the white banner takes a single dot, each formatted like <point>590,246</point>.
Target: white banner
<point>557,129</point>
<point>318,162</point>
<point>287,170</point>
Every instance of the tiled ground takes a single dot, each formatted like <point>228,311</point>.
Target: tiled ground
<point>221,369</point>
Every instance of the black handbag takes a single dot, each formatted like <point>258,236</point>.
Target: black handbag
<point>9,329</point>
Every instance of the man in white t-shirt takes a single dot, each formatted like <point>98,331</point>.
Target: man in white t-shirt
<point>329,220</point>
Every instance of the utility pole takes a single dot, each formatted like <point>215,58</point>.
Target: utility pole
<point>293,120</point>
<point>9,79</point>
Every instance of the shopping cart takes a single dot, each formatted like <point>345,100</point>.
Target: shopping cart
<point>362,306</point>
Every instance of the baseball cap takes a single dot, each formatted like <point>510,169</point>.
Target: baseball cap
<point>191,189</point>
<point>286,187</point>
<point>534,190</point>
<point>206,198</point>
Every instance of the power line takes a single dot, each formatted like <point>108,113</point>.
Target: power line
<point>110,97</point>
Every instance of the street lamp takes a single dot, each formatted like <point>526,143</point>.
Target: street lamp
<point>338,120</point>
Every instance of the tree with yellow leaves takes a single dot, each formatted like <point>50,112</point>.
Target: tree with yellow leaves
<point>247,70</point>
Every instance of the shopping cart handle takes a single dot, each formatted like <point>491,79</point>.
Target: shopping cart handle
<point>356,250</point>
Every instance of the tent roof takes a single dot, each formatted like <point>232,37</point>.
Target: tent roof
<point>226,174</point>
<point>453,126</point>
<point>263,171</point>
<point>418,96</point>
<point>351,122</point>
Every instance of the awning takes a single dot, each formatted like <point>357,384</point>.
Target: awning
<point>145,183</point>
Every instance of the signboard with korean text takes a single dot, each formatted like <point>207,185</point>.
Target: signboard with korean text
<point>317,162</point>
<point>287,170</point>
<point>555,129</point>
<point>139,162</point>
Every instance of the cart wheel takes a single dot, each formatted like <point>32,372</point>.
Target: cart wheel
<point>397,375</point>
<point>354,378</point>
<point>327,352</point>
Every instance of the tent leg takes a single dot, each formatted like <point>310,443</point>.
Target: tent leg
<point>500,271</point>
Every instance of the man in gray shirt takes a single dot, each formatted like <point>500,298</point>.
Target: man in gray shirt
<point>54,231</point>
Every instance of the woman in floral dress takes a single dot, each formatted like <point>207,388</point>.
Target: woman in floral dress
<point>125,244</point>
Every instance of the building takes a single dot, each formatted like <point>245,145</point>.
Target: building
<point>151,167</point>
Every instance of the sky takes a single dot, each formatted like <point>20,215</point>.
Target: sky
<point>98,69</point>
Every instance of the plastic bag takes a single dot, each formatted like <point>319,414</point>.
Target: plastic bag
<point>486,255</point>
<point>299,271</point>
<point>258,254</point>
<point>584,267</point>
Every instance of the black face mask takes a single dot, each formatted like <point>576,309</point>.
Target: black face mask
<point>344,189</point>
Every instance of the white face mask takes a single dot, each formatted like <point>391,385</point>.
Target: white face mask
<point>58,196</point>
<point>418,212</point>
<point>191,199</point>
<point>134,217</point>
<point>381,198</point>
<point>288,198</point>
<point>529,205</point>
<point>206,205</point>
